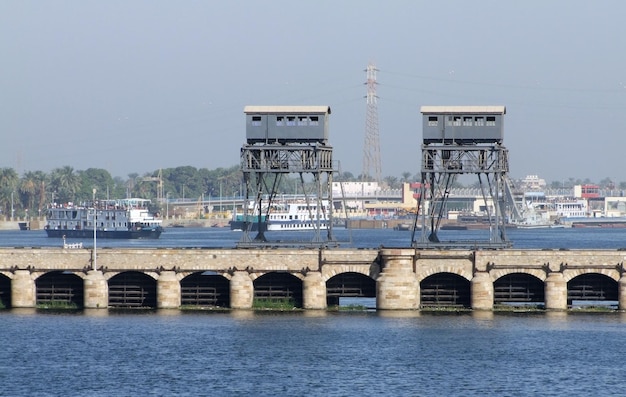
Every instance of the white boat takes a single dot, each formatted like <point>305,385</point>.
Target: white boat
<point>117,219</point>
<point>537,215</point>
<point>290,216</point>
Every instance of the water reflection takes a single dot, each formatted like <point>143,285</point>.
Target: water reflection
<point>483,315</point>
<point>96,312</point>
<point>398,313</point>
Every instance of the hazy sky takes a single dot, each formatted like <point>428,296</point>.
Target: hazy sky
<point>134,86</point>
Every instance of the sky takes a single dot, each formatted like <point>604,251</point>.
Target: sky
<point>137,86</point>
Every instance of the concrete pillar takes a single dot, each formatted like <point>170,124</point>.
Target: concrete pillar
<point>241,290</point>
<point>621,292</point>
<point>556,292</point>
<point>482,291</point>
<point>397,287</point>
<point>168,290</point>
<point>314,291</point>
<point>96,290</point>
<point>23,290</point>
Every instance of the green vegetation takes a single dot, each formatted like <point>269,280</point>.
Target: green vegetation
<point>274,304</point>
<point>539,307</point>
<point>57,305</point>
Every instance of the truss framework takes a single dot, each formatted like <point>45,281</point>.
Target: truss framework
<point>263,168</point>
<point>441,165</point>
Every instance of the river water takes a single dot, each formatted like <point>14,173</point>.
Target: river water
<point>569,238</point>
<point>311,354</point>
<point>244,353</point>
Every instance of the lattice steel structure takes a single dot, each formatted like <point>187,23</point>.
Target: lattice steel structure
<point>276,147</point>
<point>461,140</point>
<point>372,169</point>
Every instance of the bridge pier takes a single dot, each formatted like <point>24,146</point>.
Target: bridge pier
<point>556,292</point>
<point>96,290</point>
<point>241,290</point>
<point>482,291</point>
<point>621,292</point>
<point>397,287</point>
<point>168,291</point>
<point>23,289</point>
<point>314,291</point>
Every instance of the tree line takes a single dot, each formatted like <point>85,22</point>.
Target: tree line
<point>31,193</point>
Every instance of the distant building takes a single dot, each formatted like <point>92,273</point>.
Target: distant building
<point>532,182</point>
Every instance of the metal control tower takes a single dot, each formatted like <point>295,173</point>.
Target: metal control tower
<point>283,140</point>
<point>461,140</point>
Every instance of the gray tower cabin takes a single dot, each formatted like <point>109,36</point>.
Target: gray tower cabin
<point>286,141</point>
<point>463,125</point>
<point>462,140</point>
<point>287,124</point>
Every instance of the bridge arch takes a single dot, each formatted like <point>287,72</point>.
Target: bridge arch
<point>5,291</point>
<point>349,284</point>
<point>570,274</point>
<point>59,288</point>
<point>445,290</point>
<point>592,287</point>
<point>278,287</point>
<point>330,271</point>
<point>519,288</point>
<point>132,289</point>
<point>430,271</point>
<point>205,289</point>
<point>537,273</point>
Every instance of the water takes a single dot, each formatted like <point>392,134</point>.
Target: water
<point>571,238</point>
<point>244,353</point>
<point>313,354</point>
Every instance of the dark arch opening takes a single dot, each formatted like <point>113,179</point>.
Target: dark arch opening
<point>592,289</point>
<point>519,289</point>
<point>278,288</point>
<point>445,290</point>
<point>5,292</point>
<point>132,290</point>
<point>205,289</point>
<point>349,285</point>
<point>59,290</point>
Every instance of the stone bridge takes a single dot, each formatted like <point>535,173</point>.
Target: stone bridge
<point>398,278</point>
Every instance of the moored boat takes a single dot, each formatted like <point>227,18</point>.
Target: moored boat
<point>114,219</point>
<point>291,216</point>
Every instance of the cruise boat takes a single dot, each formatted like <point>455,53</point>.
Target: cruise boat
<point>291,216</point>
<point>115,219</point>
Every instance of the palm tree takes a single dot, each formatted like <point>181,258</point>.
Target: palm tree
<point>8,182</point>
<point>65,182</point>
<point>28,189</point>
<point>406,177</point>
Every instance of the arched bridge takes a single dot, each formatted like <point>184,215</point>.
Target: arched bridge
<point>398,278</point>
